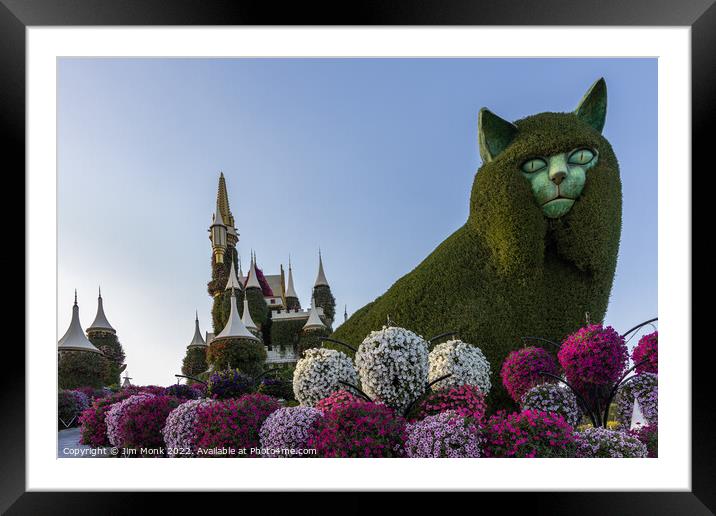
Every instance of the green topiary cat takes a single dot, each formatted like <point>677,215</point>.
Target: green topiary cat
<point>538,250</point>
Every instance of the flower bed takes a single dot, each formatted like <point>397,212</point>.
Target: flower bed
<point>446,434</point>
<point>136,424</point>
<point>288,429</point>
<point>465,400</point>
<point>180,428</point>
<point>604,443</point>
<point>521,370</point>
<point>529,433</point>
<point>359,429</point>
<point>465,363</point>
<point>319,374</point>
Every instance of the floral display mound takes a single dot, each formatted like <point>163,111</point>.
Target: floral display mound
<point>286,431</point>
<point>464,400</point>
<point>647,349</point>
<point>179,430</point>
<point>593,358</point>
<point>465,363</point>
<point>182,391</point>
<point>645,388</point>
<point>70,405</point>
<point>603,443</point>
<point>92,420</point>
<point>530,433</point>
<point>550,397</point>
<point>232,425</point>
<point>649,435</point>
<point>359,429</point>
<point>446,434</point>
<point>336,400</point>
<point>392,364</point>
<point>320,373</point>
<point>230,383</point>
<point>521,370</point>
<point>136,423</point>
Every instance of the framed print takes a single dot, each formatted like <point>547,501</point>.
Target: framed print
<point>414,249</point>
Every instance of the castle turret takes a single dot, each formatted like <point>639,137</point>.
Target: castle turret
<point>235,327</point>
<point>104,337</point>
<point>233,279</point>
<point>246,318</point>
<point>198,340</point>
<point>313,331</point>
<point>292,302</point>
<point>314,321</point>
<point>322,293</point>
<point>194,362</point>
<point>321,277</point>
<point>74,338</point>
<point>100,322</point>
<point>254,297</point>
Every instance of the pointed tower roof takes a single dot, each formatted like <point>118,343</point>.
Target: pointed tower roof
<point>246,319</point>
<point>314,322</point>
<point>241,278</point>
<point>222,203</point>
<point>74,338</point>
<point>233,280</point>
<point>100,321</point>
<point>290,290</point>
<point>321,277</point>
<point>197,341</point>
<point>234,326</point>
<point>253,279</point>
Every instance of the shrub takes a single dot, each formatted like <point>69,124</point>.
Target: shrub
<point>288,428</point>
<point>232,425</point>
<point>113,419</point>
<point>594,356</point>
<point>393,366</point>
<point>359,429</point>
<point>81,369</point>
<point>520,370</point>
<point>180,390</point>
<point>230,383</point>
<point>108,343</point>
<point>179,430</point>
<point>319,373</point>
<point>446,434</point>
<point>140,421</point>
<point>529,433</point>
<point>549,397</point>
<point>465,401</point>
<point>199,388</point>
<point>323,297</point>
<point>277,388</point>
<point>600,443</point>
<point>246,355</point>
<point>70,405</point>
<point>647,349</point>
<point>337,400</point>
<point>649,436</point>
<point>465,362</point>
<point>93,420</point>
<point>194,361</point>
<point>645,387</point>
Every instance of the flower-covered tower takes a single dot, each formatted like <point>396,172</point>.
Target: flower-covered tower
<point>254,295</point>
<point>322,295</point>
<point>313,331</point>
<point>292,302</point>
<point>104,337</point>
<point>195,359</point>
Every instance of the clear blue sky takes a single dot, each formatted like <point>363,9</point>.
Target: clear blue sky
<point>370,159</point>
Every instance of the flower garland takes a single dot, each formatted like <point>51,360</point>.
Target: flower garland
<point>393,366</point>
<point>446,434</point>
<point>603,443</point>
<point>465,363</point>
<point>288,429</point>
<point>319,373</point>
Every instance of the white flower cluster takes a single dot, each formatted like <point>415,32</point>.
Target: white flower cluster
<point>465,362</point>
<point>319,373</point>
<point>393,366</point>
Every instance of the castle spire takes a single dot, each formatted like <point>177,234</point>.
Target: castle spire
<point>290,290</point>
<point>234,326</point>
<point>321,277</point>
<point>246,319</point>
<point>222,202</point>
<point>253,279</point>
<point>197,341</point>
<point>233,280</point>
<point>314,321</point>
<point>241,273</point>
<point>74,338</point>
<point>100,322</point>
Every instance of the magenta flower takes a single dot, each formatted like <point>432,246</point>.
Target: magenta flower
<point>530,433</point>
<point>465,400</point>
<point>593,357</point>
<point>520,370</point>
<point>647,349</point>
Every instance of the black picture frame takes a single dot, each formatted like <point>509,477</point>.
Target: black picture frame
<point>17,15</point>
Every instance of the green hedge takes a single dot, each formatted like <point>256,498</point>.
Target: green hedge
<point>311,339</point>
<point>509,271</point>
<point>194,361</point>
<point>257,306</point>
<point>248,356</point>
<point>81,369</point>
<point>111,348</point>
<point>286,332</point>
<point>323,297</point>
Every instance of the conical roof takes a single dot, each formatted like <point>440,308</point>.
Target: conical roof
<point>241,278</point>
<point>74,338</point>
<point>253,279</point>
<point>233,279</point>
<point>234,326</point>
<point>100,321</point>
<point>246,319</point>
<point>197,341</point>
<point>314,321</point>
<point>290,290</point>
<point>321,277</point>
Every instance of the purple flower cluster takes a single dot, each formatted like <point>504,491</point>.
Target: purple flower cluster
<point>230,383</point>
<point>179,430</point>
<point>649,435</point>
<point>594,356</point>
<point>181,390</point>
<point>603,443</point>
<point>647,349</point>
<point>549,397</point>
<point>137,424</point>
<point>288,429</point>
<point>520,370</point>
<point>446,434</point>
<point>114,416</point>
<point>529,433</point>
<point>645,387</point>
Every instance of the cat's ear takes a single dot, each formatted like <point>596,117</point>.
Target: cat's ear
<point>593,107</point>
<point>494,134</point>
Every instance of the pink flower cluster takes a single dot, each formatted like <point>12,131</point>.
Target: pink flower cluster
<point>336,400</point>
<point>593,356</point>
<point>288,429</point>
<point>92,421</point>
<point>647,349</point>
<point>233,423</point>
<point>465,400</point>
<point>529,433</point>
<point>359,429</point>
<point>520,370</point>
<point>137,422</point>
<point>446,434</point>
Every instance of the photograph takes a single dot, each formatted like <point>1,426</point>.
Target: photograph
<point>357,257</point>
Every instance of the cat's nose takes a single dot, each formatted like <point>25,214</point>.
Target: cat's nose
<point>557,177</point>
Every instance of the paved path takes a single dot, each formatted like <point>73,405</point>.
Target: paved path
<point>68,445</point>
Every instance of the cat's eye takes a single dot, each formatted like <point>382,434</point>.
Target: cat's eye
<point>533,165</point>
<point>581,157</point>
